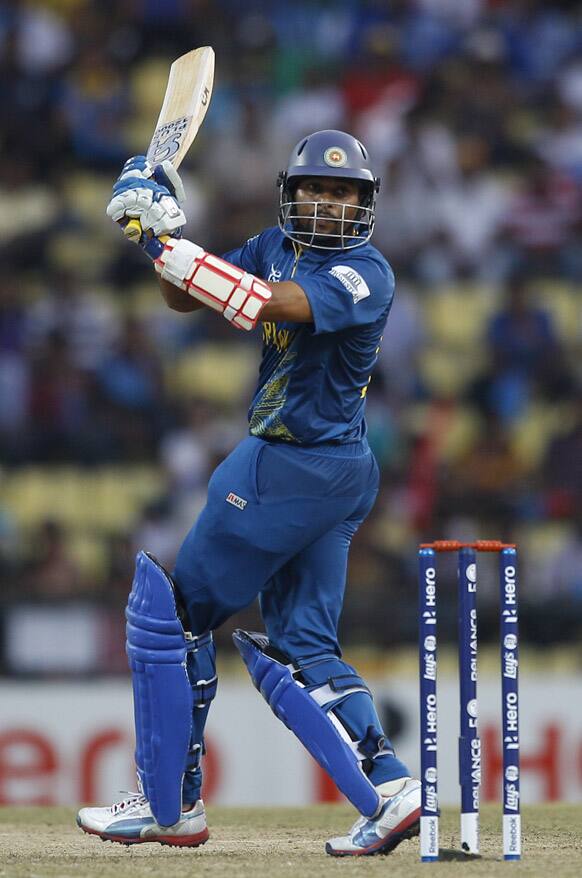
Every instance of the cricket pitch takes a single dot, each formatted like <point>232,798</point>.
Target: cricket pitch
<point>281,843</point>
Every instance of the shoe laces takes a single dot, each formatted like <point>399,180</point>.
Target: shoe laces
<point>130,803</point>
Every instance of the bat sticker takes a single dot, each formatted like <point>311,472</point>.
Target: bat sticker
<point>166,141</point>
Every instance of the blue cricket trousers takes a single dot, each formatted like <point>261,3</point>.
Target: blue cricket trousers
<point>284,536</point>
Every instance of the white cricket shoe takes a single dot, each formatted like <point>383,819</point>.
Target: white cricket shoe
<point>131,822</point>
<point>398,819</point>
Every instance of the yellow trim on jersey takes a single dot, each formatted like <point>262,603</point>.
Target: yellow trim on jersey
<point>279,338</point>
<point>298,250</point>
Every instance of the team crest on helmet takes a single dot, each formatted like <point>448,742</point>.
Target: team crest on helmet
<point>335,157</point>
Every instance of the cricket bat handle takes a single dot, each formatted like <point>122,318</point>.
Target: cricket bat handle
<point>133,230</point>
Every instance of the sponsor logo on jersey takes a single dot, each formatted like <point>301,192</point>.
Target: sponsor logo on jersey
<point>335,157</point>
<point>274,335</point>
<point>235,500</point>
<point>352,281</point>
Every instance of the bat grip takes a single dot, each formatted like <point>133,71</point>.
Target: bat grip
<point>133,230</point>
<point>151,244</point>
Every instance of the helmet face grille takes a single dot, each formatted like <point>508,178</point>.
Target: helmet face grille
<point>348,232</point>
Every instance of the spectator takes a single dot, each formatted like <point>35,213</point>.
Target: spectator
<point>541,217</point>
<point>486,481</point>
<point>157,530</point>
<point>95,102</point>
<point>562,572</point>
<point>470,208</point>
<point>86,318</point>
<point>560,144</point>
<point>59,403</point>
<point>561,467</point>
<point>317,103</point>
<point>526,357</point>
<point>539,38</point>
<point>52,572</point>
<point>14,373</point>
<point>129,384</point>
<point>38,207</point>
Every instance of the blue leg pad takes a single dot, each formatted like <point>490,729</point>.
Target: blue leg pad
<point>339,689</point>
<point>157,649</point>
<point>306,715</point>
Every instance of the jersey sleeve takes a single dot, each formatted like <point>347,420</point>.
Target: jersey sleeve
<point>351,294</point>
<point>247,257</point>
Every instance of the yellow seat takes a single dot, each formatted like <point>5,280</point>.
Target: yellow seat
<point>538,541</point>
<point>117,495</point>
<point>453,431</point>
<point>76,251</point>
<point>106,499</point>
<point>456,315</point>
<point>89,552</point>
<point>89,194</point>
<point>145,299</point>
<point>564,303</point>
<point>447,371</point>
<point>532,433</point>
<point>34,494</point>
<point>148,82</point>
<point>215,372</point>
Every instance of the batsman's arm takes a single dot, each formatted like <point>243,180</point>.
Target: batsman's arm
<point>288,301</point>
<point>177,299</point>
<point>153,195</point>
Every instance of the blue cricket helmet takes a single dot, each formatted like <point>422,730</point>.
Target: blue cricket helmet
<point>329,154</point>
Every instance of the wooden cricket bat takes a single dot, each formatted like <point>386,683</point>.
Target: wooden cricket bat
<point>185,104</point>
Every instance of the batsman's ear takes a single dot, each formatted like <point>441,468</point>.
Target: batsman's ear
<point>167,175</point>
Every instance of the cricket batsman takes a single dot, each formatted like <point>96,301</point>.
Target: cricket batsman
<point>282,508</point>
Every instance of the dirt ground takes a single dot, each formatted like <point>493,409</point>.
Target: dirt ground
<point>280,843</point>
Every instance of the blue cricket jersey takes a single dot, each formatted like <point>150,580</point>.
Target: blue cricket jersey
<point>313,377</point>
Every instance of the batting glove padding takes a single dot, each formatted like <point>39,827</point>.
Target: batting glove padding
<point>165,174</point>
<point>235,293</point>
<point>149,194</point>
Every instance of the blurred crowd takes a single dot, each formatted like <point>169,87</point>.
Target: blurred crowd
<point>114,410</point>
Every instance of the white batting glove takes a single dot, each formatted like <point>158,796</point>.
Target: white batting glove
<point>149,194</point>
<point>165,174</point>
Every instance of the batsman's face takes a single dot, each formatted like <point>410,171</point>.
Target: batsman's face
<point>324,198</point>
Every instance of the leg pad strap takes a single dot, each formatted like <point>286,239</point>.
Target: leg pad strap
<point>201,667</point>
